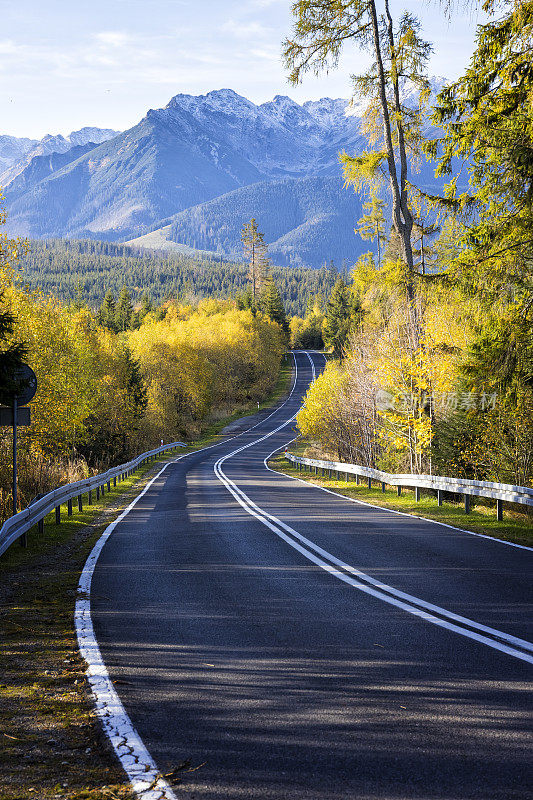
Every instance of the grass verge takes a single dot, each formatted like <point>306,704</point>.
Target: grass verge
<point>51,743</point>
<point>516,527</point>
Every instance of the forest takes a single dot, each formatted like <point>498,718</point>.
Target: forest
<point>86,269</point>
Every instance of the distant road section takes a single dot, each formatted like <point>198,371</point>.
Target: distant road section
<point>283,643</point>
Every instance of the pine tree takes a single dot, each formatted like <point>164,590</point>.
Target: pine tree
<point>124,311</point>
<point>139,315</point>
<point>106,313</point>
<point>11,357</point>
<point>272,304</point>
<point>244,300</point>
<point>255,252</point>
<point>79,299</point>
<point>487,118</point>
<point>338,318</point>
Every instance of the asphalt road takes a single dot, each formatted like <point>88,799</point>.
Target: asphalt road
<point>276,675</point>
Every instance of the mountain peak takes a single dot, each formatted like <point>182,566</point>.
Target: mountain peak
<point>219,99</point>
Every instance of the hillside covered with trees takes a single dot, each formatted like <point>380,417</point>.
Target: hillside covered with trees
<point>86,269</point>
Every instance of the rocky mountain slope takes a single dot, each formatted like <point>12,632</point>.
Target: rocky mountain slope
<point>199,168</point>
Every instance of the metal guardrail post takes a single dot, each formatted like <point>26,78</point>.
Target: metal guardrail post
<point>90,498</point>
<point>69,507</point>
<point>97,493</point>
<point>467,504</point>
<point>370,483</point>
<point>499,510</point>
<point>357,479</point>
<point>440,498</point>
<point>80,502</point>
<point>383,486</point>
<point>40,526</point>
<point>399,491</point>
<point>417,494</point>
<point>58,514</point>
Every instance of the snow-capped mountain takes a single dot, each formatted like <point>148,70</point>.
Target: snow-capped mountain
<point>47,145</point>
<point>13,148</point>
<point>195,149</point>
<point>280,137</point>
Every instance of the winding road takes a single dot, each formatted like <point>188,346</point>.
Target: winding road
<point>289,643</point>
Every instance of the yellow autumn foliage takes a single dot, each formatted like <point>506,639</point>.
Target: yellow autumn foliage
<point>205,362</point>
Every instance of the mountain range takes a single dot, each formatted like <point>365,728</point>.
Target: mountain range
<point>189,175</point>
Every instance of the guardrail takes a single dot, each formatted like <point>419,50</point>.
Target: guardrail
<point>498,491</point>
<point>17,526</point>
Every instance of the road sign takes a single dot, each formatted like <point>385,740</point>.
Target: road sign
<point>25,378</point>
<point>23,416</point>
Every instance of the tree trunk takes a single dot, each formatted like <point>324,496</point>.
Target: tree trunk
<point>402,217</point>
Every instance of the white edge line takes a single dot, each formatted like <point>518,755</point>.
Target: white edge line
<point>264,518</point>
<point>394,511</point>
<point>141,769</point>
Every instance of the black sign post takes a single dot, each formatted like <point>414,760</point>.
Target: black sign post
<point>27,386</point>
<point>15,482</point>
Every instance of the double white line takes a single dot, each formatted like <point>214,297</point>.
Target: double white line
<point>498,640</point>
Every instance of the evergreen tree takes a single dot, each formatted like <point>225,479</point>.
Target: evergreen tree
<point>487,117</point>
<point>123,311</point>
<point>11,357</point>
<point>338,318</point>
<point>146,307</point>
<point>244,299</point>
<point>79,299</point>
<point>272,305</point>
<point>255,252</point>
<point>106,313</point>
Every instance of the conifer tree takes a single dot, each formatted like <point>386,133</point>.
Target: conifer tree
<point>11,357</point>
<point>272,305</point>
<point>124,311</point>
<point>106,313</point>
<point>487,118</point>
<point>79,299</point>
<point>244,299</point>
<point>12,354</point>
<point>255,252</point>
<point>338,318</point>
<point>146,307</point>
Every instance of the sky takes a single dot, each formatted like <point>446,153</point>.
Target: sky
<point>64,65</point>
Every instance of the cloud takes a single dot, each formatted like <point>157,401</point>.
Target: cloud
<point>112,38</point>
<point>8,48</point>
<point>245,30</point>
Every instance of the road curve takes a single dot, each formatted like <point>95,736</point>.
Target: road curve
<point>234,649</point>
